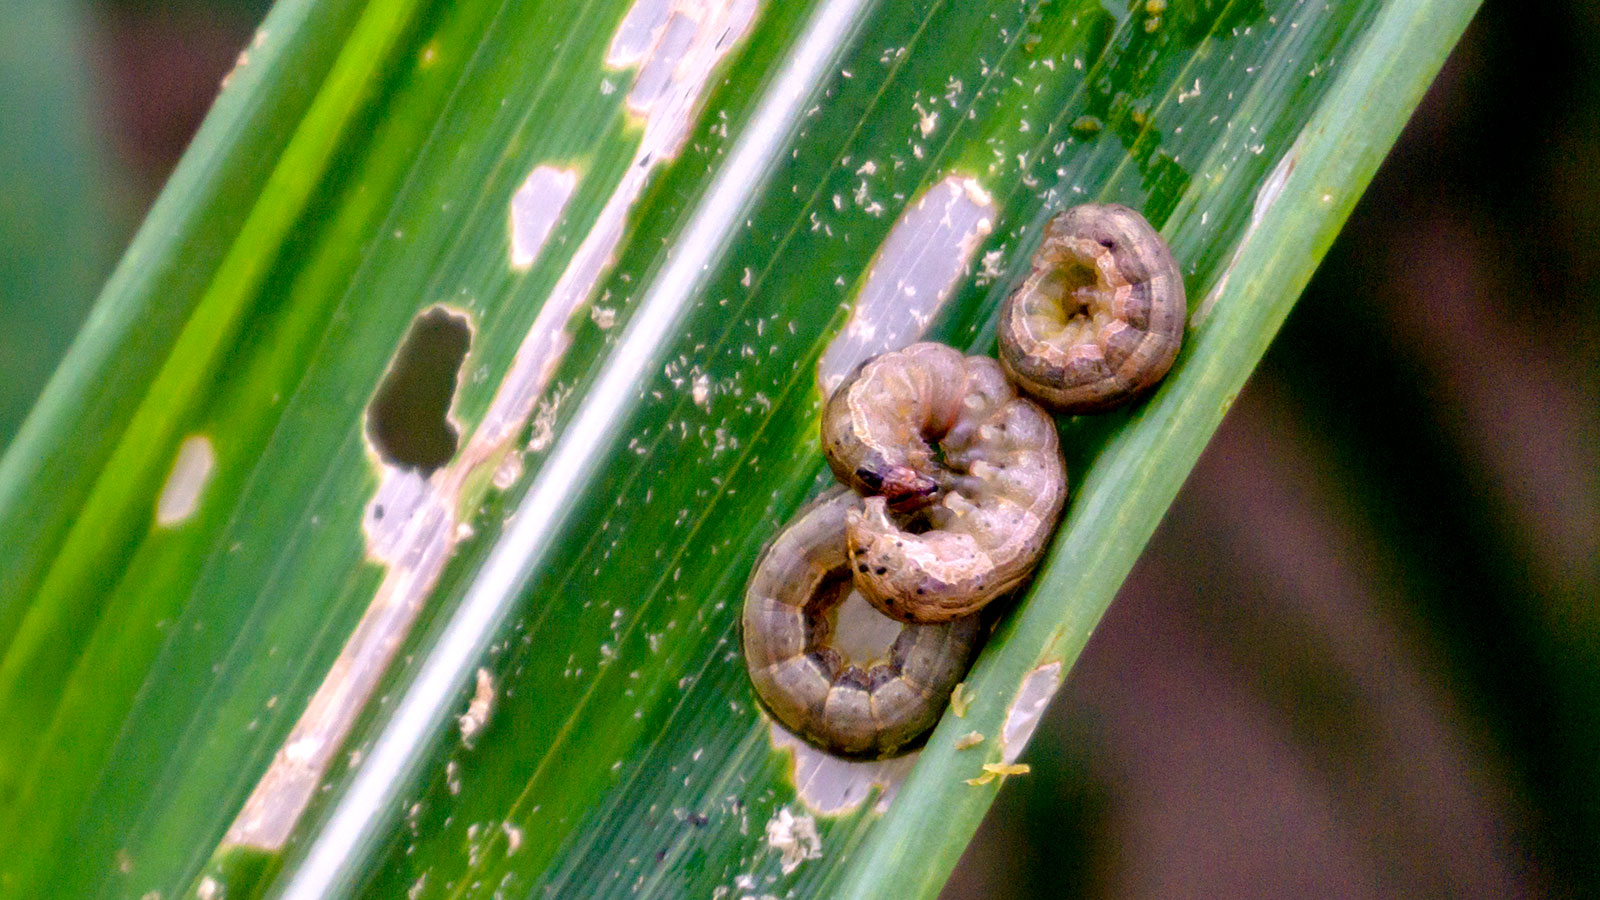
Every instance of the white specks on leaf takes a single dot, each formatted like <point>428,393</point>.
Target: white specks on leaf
<point>476,717</point>
<point>543,430</point>
<point>476,845</point>
<point>513,837</point>
<point>960,699</point>
<point>637,32</point>
<point>830,786</point>
<point>404,507</point>
<point>917,269</point>
<point>1025,711</point>
<point>536,207</point>
<point>992,771</point>
<point>1271,189</point>
<point>191,471</point>
<point>655,76</point>
<point>991,267</point>
<point>794,837</point>
<point>505,475</point>
<point>238,64</point>
<point>303,749</point>
<point>700,390</point>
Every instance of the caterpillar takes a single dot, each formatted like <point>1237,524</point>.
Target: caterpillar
<point>952,484</point>
<point>851,706</point>
<point>965,480</point>
<point>1099,318</point>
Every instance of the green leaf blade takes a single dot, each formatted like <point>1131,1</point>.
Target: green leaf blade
<point>621,752</point>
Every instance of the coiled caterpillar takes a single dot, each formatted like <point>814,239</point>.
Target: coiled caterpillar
<point>853,707</point>
<point>1100,317</point>
<point>964,483</point>
<point>972,472</point>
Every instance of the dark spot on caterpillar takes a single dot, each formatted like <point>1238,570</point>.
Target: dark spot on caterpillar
<point>852,677</point>
<point>870,478</point>
<point>882,570</point>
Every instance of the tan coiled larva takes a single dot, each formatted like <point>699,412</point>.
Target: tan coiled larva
<point>852,707</point>
<point>940,538</point>
<point>1100,317</point>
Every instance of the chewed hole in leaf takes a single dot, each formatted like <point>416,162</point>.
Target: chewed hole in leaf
<point>408,419</point>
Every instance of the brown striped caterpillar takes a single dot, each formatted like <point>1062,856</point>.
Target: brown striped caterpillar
<point>1099,318</point>
<point>972,472</point>
<point>871,702</point>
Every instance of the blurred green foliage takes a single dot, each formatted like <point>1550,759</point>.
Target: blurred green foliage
<point>55,216</point>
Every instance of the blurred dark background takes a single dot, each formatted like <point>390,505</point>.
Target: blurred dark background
<point>1361,657</point>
